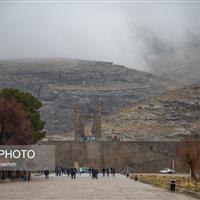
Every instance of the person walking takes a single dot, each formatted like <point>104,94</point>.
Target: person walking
<point>72,171</point>
<point>90,171</point>
<point>103,172</point>
<point>68,172</point>
<point>107,172</point>
<point>113,171</point>
<point>59,171</point>
<point>93,173</point>
<point>46,173</point>
<point>127,172</point>
<point>56,171</point>
<point>29,176</point>
<point>96,173</point>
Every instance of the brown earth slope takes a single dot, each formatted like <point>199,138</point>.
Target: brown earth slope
<point>173,116</point>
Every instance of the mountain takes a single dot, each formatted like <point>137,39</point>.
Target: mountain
<point>61,83</point>
<point>172,116</point>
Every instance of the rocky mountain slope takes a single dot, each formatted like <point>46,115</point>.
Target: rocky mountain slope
<point>60,83</point>
<point>173,116</point>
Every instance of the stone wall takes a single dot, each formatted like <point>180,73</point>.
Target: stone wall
<point>140,156</point>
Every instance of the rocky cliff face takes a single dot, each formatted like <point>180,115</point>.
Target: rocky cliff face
<point>173,116</point>
<point>60,83</point>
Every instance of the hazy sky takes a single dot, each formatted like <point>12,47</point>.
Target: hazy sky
<point>97,31</point>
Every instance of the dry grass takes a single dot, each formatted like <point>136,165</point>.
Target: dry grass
<point>182,182</point>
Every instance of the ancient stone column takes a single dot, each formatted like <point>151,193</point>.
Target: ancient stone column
<point>96,126</point>
<point>78,123</point>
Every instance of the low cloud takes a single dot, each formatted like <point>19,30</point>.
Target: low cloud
<point>125,33</point>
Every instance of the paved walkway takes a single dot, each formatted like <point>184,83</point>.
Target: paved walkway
<point>85,188</point>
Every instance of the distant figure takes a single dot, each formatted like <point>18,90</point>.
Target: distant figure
<point>103,172</point>
<point>127,172</point>
<point>73,173</point>
<point>46,173</point>
<point>113,171</point>
<point>63,170</point>
<point>68,172</point>
<point>24,176</point>
<point>29,176</point>
<point>107,172</point>
<point>95,173</point>
<point>59,171</point>
<point>90,171</point>
<point>56,171</point>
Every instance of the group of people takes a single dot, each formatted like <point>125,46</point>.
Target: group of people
<point>105,171</point>
<point>72,172</point>
<point>69,171</point>
<point>108,171</point>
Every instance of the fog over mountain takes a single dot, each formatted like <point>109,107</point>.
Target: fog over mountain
<point>154,36</point>
<point>176,63</point>
<point>56,42</point>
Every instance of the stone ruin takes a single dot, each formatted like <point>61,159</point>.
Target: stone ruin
<point>78,123</point>
<point>79,120</point>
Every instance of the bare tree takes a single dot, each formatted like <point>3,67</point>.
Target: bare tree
<point>190,153</point>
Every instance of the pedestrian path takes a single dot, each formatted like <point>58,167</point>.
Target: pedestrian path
<point>83,187</point>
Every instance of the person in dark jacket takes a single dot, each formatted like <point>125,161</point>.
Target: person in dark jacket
<point>107,172</point>
<point>95,173</point>
<point>103,172</point>
<point>73,173</point>
<point>46,173</point>
<point>113,171</point>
